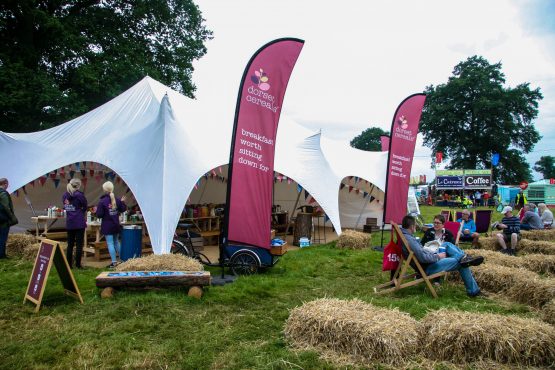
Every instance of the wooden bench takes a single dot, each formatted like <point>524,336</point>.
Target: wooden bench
<point>195,280</point>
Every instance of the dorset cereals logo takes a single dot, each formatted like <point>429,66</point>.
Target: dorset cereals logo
<point>401,129</point>
<point>258,95</point>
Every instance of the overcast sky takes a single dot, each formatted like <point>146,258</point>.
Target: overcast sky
<point>362,58</point>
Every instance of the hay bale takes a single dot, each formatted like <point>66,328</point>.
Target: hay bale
<point>464,337</point>
<point>161,262</point>
<point>518,284</point>
<point>536,246</point>
<point>489,243</point>
<point>352,331</point>
<point>16,244</point>
<point>30,252</point>
<point>350,239</point>
<point>548,312</point>
<point>545,235</point>
<point>539,263</point>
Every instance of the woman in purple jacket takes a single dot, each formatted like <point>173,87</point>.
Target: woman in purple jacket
<point>75,205</point>
<point>108,210</point>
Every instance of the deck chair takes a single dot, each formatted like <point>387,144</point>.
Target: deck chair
<point>401,279</point>
<point>455,228</point>
<point>483,220</point>
<point>447,214</point>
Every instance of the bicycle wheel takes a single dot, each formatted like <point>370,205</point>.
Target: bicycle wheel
<point>179,248</point>
<point>244,263</point>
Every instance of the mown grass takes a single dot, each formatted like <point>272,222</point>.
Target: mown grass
<point>237,326</point>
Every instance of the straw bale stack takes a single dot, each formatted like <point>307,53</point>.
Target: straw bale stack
<point>17,243</point>
<point>545,235</point>
<point>536,246</point>
<point>519,284</point>
<point>464,337</point>
<point>161,262</point>
<point>489,243</point>
<point>350,239</point>
<point>542,264</point>
<point>548,312</point>
<point>353,332</point>
<point>30,251</point>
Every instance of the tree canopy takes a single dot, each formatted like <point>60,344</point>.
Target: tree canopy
<point>474,115</point>
<point>369,139</point>
<point>62,58</point>
<point>546,166</point>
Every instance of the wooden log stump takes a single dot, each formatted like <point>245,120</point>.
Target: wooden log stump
<point>107,292</point>
<point>152,278</point>
<point>303,227</point>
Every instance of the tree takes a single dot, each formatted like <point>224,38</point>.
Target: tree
<point>546,166</point>
<point>62,58</point>
<point>473,115</point>
<point>369,139</point>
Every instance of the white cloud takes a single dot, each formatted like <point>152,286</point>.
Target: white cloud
<point>362,58</point>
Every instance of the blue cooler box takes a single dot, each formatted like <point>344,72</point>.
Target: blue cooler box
<point>131,242</point>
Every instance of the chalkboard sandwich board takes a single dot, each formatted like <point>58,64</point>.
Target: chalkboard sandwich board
<point>50,252</point>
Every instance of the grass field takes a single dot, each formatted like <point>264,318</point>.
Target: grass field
<point>237,326</point>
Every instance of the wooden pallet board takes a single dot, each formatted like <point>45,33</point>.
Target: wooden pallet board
<point>100,250</point>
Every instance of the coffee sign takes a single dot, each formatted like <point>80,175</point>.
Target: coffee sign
<point>477,181</point>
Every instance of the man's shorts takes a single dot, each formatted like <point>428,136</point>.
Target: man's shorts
<point>507,237</point>
<point>466,238</point>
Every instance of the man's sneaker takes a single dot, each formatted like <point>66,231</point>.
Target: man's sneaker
<point>112,265</point>
<point>506,251</point>
<point>471,260</point>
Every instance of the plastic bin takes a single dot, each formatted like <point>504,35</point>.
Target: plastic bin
<point>131,242</point>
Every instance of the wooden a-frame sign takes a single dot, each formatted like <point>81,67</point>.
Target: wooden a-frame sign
<point>50,252</point>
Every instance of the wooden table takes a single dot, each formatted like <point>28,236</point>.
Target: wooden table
<point>44,223</point>
<point>94,227</point>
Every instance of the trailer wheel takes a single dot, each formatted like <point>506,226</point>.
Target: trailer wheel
<point>244,262</point>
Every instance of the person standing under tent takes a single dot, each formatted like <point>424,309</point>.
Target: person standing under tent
<point>478,198</point>
<point>75,205</point>
<point>7,216</point>
<point>108,210</point>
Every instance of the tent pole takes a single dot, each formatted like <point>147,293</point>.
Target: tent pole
<point>292,211</point>
<point>367,201</point>
<point>362,211</point>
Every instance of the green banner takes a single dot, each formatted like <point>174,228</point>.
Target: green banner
<point>449,173</point>
<point>477,172</point>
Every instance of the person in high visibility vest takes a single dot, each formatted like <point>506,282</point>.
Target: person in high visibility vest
<point>520,200</point>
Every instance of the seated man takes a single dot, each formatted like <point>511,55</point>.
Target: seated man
<point>468,233</point>
<point>531,220</point>
<point>511,231</point>
<point>453,259</point>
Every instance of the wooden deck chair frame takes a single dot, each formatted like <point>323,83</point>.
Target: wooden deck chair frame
<point>447,214</point>
<point>402,279</point>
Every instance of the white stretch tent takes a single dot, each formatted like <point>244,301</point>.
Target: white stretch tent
<point>161,142</point>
